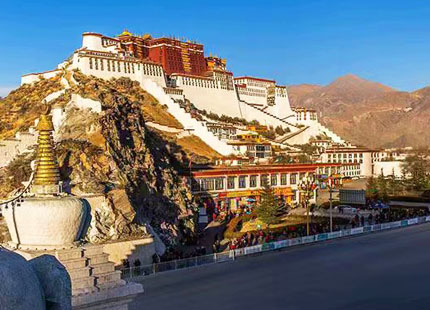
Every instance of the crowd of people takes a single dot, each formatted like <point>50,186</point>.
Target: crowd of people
<point>383,216</point>
<point>261,237</point>
<point>387,215</point>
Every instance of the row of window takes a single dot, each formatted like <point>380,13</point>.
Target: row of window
<point>352,173</point>
<point>200,82</point>
<point>344,155</point>
<point>256,84</point>
<point>243,181</point>
<point>346,161</point>
<point>126,67</point>
<point>303,115</point>
<point>247,93</point>
<point>327,170</point>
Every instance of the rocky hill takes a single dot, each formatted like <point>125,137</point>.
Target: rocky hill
<point>369,113</point>
<point>112,154</point>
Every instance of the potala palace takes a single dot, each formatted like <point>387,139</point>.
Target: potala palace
<point>175,71</point>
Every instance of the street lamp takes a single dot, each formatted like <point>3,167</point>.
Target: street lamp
<point>307,186</point>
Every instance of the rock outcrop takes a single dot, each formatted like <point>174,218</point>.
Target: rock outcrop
<point>128,172</point>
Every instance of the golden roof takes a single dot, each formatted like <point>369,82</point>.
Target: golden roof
<point>125,33</point>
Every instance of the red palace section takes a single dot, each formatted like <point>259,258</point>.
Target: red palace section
<point>174,55</point>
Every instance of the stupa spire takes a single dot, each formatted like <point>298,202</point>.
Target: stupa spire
<point>47,173</point>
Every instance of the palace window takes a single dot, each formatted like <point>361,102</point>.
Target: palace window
<point>108,64</point>
<point>101,64</point>
<point>264,180</point>
<point>219,183</point>
<point>293,178</point>
<point>207,184</point>
<point>97,63</point>
<point>284,178</point>
<point>91,62</point>
<point>231,182</point>
<point>253,181</point>
<point>242,181</point>
<point>119,66</point>
<point>274,179</point>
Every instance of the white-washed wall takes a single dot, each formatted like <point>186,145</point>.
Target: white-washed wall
<point>388,168</point>
<point>57,117</point>
<point>102,67</point>
<point>185,118</point>
<point>210,97</point>
<point>34,77</point>
<point>54,95</point>
<point>86,103</point>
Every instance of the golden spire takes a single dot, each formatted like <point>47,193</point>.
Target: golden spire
<point>47,171</point>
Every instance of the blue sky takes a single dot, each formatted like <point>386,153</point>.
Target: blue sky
<point>291,41</point>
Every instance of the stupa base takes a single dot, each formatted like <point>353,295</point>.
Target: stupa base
<point>95,282</point>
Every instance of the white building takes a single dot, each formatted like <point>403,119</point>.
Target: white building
<point>353,155</point>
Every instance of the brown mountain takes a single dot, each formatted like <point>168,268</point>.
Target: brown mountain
<point>369,113</point>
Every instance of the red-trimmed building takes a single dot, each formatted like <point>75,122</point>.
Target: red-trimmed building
<point>232,187</point>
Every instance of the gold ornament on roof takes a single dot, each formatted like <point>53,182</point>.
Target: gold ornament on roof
<point>125,33</point>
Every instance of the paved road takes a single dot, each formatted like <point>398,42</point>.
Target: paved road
<point>387,270</point>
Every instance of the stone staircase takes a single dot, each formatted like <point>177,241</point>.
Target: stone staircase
<point>89,269</point>
<point>262,110</point>
<point>191,124</point>
<point>284,138</point>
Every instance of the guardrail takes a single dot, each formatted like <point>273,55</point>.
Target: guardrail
<point>142,271</point>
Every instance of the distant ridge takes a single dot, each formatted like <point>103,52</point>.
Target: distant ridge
<point>367,112</point>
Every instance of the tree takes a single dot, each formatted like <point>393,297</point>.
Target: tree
<point>268,209</point>
<point>394,185</point>
<point>417,169</point>
<point>371,188</point>
<point>382,186</point>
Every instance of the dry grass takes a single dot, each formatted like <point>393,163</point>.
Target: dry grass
<point>158,114</point>
<point>193,145</point>
<point>152,111</point>
<point>23,106</point>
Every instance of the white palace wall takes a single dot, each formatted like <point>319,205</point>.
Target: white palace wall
<point>34,77</point>
<point>207,94</point>
<point>185,118</point>
<point>250,114</point>
<point>101,66</point>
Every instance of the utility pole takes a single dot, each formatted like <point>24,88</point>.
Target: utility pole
<point>331,208</point>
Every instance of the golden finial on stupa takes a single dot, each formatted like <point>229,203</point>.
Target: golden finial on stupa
<point>47,171</point>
